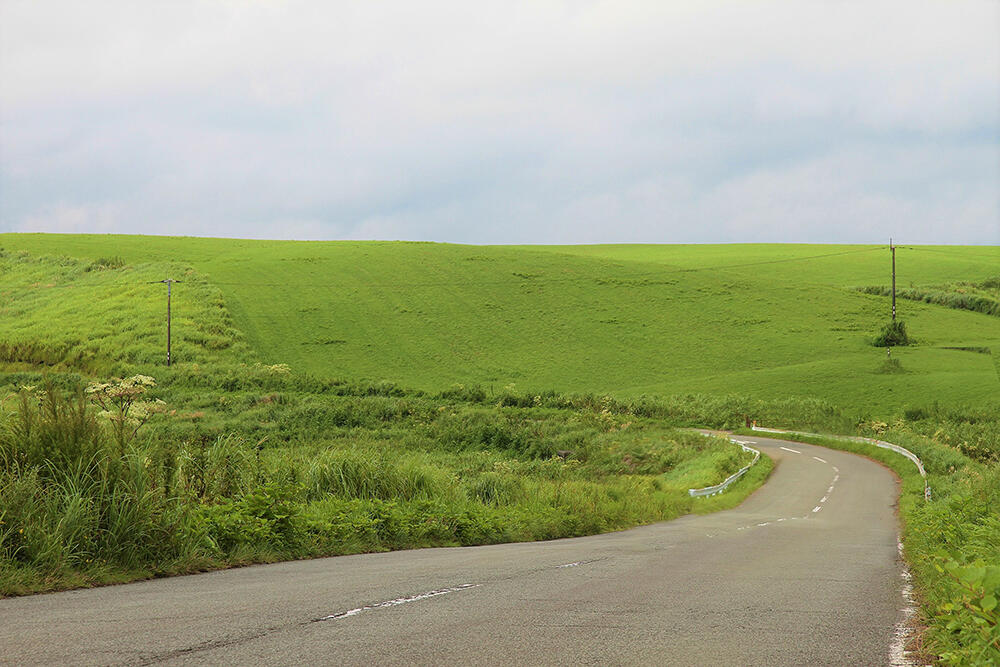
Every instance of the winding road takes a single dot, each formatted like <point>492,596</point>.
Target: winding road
<point>805,572</point>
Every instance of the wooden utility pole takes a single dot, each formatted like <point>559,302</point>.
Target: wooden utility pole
<point>169,283</point>
<point>892,249</point>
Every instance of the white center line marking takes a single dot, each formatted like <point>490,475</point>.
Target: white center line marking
<point>794,451</point>
<point>836,469</point>
<point>823,499</point>
<point>819,459</point>
<point>579,562</point>
<point>398,601</point>
<point>817,508</point>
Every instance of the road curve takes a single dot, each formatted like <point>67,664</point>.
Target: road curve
<point>805,572</point>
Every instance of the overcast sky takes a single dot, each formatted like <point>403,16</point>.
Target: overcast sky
<point>506,122</point>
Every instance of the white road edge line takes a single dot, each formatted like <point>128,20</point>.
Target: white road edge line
<point>788,449</point>
<point>398,601</point>
<point>898,655</point>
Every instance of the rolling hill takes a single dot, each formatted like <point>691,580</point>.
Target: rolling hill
<point>760,320</point>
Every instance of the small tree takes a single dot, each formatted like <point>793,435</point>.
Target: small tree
<point>121,405</point>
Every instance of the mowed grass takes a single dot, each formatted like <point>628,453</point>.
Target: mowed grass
<point>768,321</point>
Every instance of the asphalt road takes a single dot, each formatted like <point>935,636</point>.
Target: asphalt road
<point>805,572</point>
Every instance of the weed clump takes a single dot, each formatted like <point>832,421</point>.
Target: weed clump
<point>891,367</point>
<point>893,334</point>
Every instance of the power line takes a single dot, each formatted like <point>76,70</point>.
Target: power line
<point>953,254</point>
<point>527,279</point>
<point>534,280</point>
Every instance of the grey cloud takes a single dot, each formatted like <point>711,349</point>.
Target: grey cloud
<point>504,123</point>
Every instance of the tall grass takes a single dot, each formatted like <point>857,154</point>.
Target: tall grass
<point>359,470</point>
<point>976,297</point>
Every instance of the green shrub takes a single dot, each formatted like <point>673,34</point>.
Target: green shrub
<point>893,334</point>
<point>973,615</point>
<point>269,517</point>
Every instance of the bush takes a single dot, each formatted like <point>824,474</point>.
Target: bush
<point>893,334</point>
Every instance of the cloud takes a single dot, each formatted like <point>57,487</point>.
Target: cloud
<point>503,122</point>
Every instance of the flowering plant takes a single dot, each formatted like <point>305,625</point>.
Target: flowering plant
<point>121,405</point>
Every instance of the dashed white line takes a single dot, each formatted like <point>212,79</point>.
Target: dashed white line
<point>836,469</point>
<point>817,508</point>
<point>579,562</point>
<point>788,449</point>
<point>398,601</point>
<point>823,499</point>
<point>819,459</point>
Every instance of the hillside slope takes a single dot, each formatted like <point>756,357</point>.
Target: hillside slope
<point>763,320</point>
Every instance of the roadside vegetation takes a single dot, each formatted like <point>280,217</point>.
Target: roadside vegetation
<point>129,479</point>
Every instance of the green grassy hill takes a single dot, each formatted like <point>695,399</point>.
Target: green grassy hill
<point>759,320</point>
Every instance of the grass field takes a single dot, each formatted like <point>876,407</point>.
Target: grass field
<point>765,320</point>
<point>337,397</point>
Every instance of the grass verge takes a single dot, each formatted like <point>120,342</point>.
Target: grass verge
<point>171,479</point>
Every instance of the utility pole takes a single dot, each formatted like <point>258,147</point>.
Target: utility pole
<point>169,283</point>
<point>892,249</point>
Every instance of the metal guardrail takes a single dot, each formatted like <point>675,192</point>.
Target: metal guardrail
<point>719,488</point>
<point>877,443</point>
